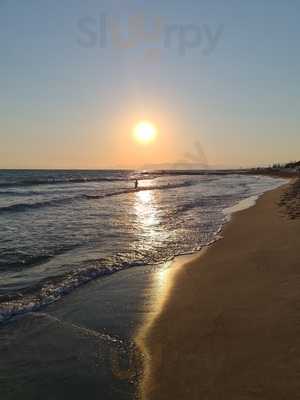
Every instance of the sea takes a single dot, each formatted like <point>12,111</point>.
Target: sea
<point>63,229</point>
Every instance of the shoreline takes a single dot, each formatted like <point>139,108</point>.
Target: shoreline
<point>15,306</point>
<point>179,324</point>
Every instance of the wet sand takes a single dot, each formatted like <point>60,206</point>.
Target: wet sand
<point>229,324</point>
<point>82,346</point>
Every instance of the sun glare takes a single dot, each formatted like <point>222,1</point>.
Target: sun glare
<point>144,132</point>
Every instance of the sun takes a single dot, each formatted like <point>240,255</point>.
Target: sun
<point>144,132</point>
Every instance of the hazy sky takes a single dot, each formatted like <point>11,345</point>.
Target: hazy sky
<point>76,75</point>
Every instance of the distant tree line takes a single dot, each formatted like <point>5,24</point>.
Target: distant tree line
<point>292,164</point>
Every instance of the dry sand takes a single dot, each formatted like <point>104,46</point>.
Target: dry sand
<point>229,327</point>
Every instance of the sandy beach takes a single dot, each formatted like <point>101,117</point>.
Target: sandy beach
<point>70,313</point>
<point>228,327</point>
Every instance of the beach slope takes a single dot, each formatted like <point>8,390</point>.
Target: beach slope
<point>230,325</point>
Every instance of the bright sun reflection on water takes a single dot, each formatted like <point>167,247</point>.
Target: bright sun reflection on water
<point>149,228</point>
<point>146,213</point>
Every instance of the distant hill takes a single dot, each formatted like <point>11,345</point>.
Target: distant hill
<point>188,166</point>
<point>176,166</point>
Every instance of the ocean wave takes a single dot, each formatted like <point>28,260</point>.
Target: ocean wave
<point>54,181</point>
<point>16,193</point>
<point>21,207</point>
<point>12,260</point>
<point>28,261</point>
<point>140,189</point>
<point>53,290</point>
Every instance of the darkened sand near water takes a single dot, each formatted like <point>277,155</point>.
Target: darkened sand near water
<point>229,325</point>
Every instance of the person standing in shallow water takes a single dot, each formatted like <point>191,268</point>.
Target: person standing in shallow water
<point>136,184</point>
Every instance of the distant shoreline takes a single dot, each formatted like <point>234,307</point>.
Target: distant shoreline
<point>280,173</point>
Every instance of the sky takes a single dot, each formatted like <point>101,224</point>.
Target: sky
<point>218,79</point>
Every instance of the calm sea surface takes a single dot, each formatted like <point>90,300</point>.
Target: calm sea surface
<point>61,229</point>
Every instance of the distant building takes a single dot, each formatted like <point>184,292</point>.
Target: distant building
<point>293,166</point>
